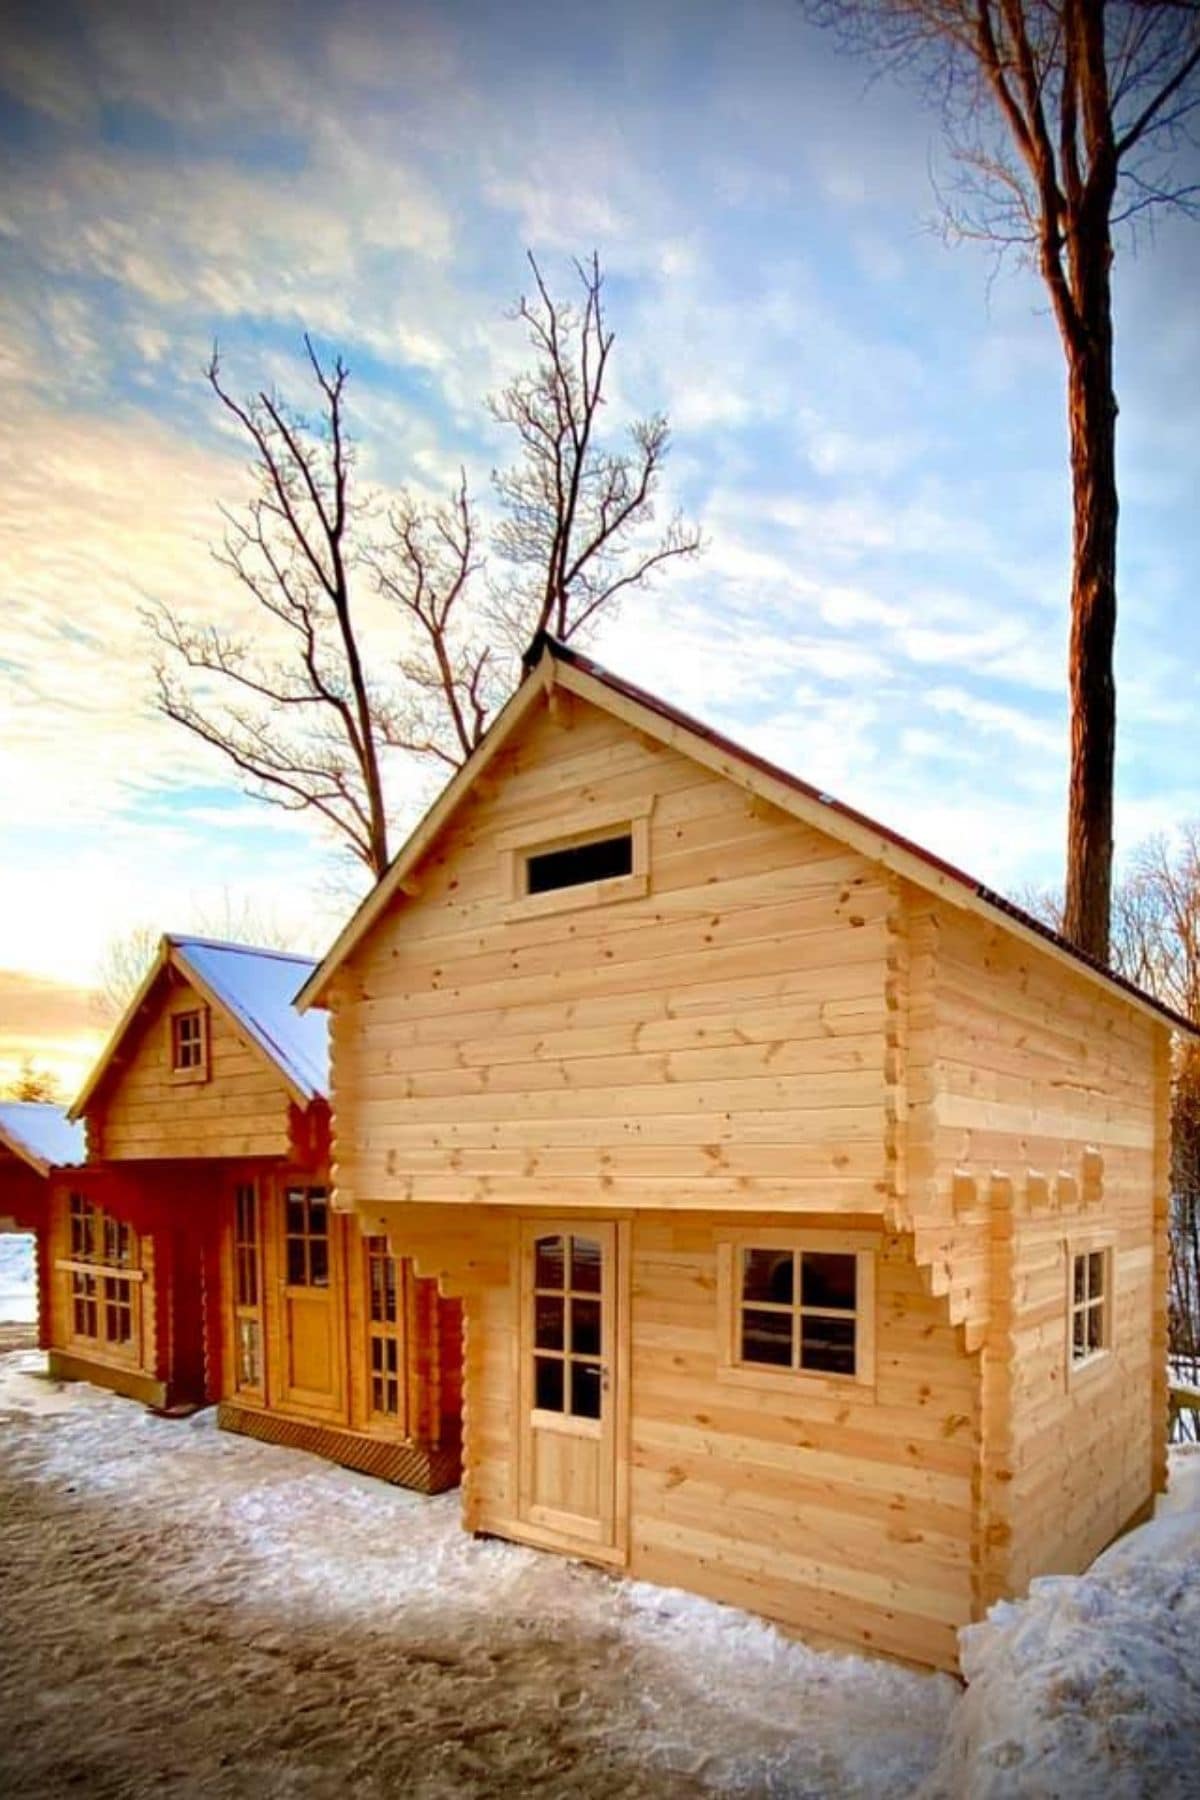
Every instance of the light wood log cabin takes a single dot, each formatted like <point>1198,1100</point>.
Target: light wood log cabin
<point>806,1201</point>
<point>207,1137</point>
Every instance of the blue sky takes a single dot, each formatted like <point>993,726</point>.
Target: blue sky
<point>868,425</point>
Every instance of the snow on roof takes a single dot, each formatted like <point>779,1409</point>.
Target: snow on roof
<point>258,988</point>
<point>41,1133</point>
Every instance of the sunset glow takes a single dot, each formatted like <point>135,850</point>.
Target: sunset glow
<point>868,429</point>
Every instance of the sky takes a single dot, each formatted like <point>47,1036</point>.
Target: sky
<point>867,423</point>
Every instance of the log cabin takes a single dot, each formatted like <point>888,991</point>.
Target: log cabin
<point>806,1200</point>
<point>207,1126</point>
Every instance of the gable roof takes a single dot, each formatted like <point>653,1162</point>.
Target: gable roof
<point>41,1134</point>
<point>549,663</point>
<point>255,990</point>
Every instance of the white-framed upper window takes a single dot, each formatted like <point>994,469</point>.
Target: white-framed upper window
<point>1090,1310</point>
<point>605,859</point>
<point>798,1307</point>
<point>187,1032</point>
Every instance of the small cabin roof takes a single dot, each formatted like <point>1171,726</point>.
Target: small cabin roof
<point>256,989</point>
<point>41,1134</point>
<point>549,661</point>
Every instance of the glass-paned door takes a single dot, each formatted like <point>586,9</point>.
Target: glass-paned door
<point>311,1314</point>
<point>568,1379</point>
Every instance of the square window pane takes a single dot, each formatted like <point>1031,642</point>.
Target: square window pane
<point>585,1265</point>
<point>548,1263</point>
<point>768,1275</point>
<point>1080,1288</point>
<point>318,1262</point>
<point>827,1345</point>
<point>1095,1274</point>
<point>318,1217</point>
<point>1078,1335</point>
<point>585,1329</point>
<point>295,1212</point>
<point>549,1310</point>
<point>827,1280</point>
<point>297,1263</point>
<point>547,1384</point>
<point>767,1337</point>
<point>585,1390</point>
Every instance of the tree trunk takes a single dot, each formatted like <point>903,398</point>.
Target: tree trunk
<point>1092,415</point>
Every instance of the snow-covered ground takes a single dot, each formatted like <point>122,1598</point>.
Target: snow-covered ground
<point>187,1613</point>
<point>184,1612</point>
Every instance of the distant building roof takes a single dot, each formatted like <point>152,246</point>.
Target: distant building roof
<point>41,1134</point>
<point>256,989</point>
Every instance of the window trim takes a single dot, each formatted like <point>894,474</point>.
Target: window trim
<point>1075,1246</point>
<point>244,1312</point>
<point>394,1331</point>
<point>97,1267</point>
<point>863,1245</point>
<point>517,846</point>
<point>194,1071</point>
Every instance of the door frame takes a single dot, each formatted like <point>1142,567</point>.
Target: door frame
<point>528,1227</point>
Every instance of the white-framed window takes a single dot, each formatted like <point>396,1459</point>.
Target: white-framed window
<point>604,859</point>
<point>798,1307</point>
<point>102,1273</point>
<point>1090,1302</point>
<point>187,1044</point>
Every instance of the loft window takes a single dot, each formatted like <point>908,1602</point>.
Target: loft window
<point>600,860</point>
<point>188,1048</point>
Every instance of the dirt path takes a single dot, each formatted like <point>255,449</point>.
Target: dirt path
<point>186,1613</point>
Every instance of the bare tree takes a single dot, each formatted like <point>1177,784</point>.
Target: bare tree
<point>1065,117</point>
<point>573,539</point>
<point>308,716</point>
<point>300,725</point>
<point>32,1083</point>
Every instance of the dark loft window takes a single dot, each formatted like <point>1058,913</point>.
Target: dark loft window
<point>600,860</point>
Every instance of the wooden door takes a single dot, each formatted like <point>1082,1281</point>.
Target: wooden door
<point>568,1381</point>
<point>311,1375</point>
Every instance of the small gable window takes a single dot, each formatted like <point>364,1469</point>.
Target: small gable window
<point>601,860</point>
<point>189,1045</point>
<point>604,858</point>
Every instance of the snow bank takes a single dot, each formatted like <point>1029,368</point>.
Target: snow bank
<point>1091,1685</point>
<point>18,1281</point>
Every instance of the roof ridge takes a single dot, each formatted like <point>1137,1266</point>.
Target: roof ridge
<point>180,939</point>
